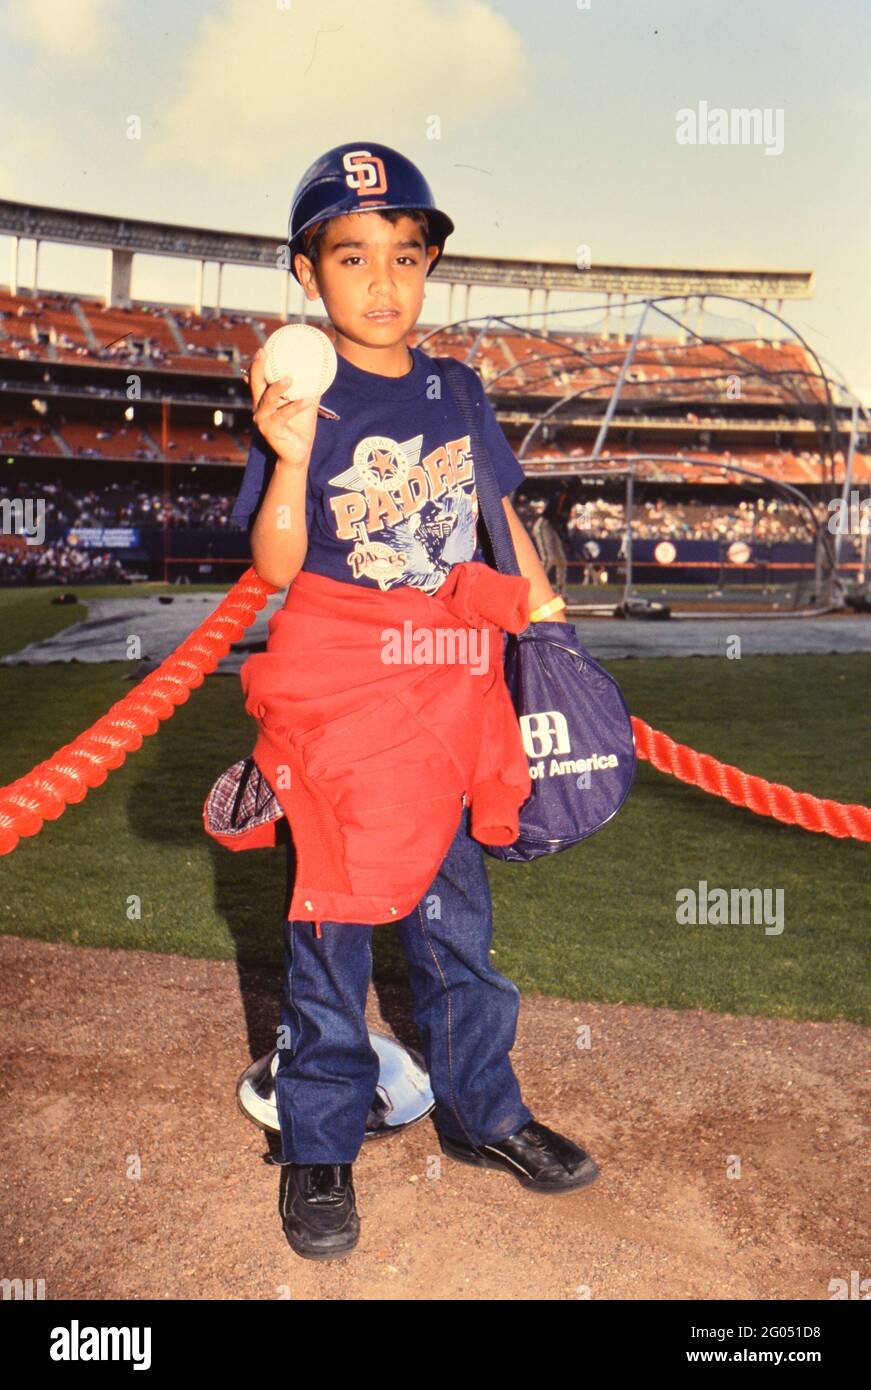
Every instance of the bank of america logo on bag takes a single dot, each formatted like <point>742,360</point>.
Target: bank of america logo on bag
<point>545,734</point>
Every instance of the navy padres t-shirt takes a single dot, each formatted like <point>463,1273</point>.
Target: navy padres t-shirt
<point>391,495</point>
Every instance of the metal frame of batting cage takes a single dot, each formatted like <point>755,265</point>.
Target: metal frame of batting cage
<point>566,470</point>
<point>828,553</point>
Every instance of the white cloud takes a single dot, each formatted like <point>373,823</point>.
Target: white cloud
<point>262,83</point>
<point>70,30</point>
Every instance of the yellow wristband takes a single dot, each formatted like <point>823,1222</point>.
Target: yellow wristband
<point>552,606</point>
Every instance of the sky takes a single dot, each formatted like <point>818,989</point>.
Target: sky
<point>541,128</point>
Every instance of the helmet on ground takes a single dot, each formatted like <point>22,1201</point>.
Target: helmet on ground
<point>362,177</point>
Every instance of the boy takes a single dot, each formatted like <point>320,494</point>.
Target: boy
<point>364,234</point>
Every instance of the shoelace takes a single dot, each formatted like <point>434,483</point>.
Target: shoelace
<point>543,1142</point>
<point>324,1183</point>
<point>533,1135</point>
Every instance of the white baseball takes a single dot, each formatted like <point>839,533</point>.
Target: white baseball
<point>305,353</point>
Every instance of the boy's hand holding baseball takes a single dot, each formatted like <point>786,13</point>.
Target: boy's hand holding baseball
<point>287,425</point>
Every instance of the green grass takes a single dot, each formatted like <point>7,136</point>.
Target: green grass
<point>595,922</point>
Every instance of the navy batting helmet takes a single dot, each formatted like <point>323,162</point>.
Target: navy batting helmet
<point>362,177</point>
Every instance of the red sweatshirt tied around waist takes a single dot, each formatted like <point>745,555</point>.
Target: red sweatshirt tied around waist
<point>380,715</point>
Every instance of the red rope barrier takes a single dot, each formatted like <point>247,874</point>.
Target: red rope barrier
<point>743,789</point>
<point>66,777</point>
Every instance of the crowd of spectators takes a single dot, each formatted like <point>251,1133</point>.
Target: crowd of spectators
<point>60,564</point>
<point>761,520</point>
<point>191,507</point>
<point>127,504</point>
<point>23,440</point>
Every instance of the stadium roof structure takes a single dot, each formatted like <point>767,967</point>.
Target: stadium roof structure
<point>124,237</point>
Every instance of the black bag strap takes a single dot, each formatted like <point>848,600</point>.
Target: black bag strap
<point>486,483</point>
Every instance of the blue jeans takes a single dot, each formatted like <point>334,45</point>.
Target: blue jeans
<point>465,1012</point>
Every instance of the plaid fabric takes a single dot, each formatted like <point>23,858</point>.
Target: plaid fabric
<point>240,799</point>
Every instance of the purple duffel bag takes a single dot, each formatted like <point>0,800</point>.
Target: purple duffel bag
<point>573,718</point>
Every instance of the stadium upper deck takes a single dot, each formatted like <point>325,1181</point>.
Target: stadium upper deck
<point>73,329</point>
<point>62,328</point>
<point>690,414</point>
<point>742,401</point>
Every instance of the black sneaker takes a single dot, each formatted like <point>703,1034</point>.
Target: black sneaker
<point>536,1156</point>
<point>318,1209</point>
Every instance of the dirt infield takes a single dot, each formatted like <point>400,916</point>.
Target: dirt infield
<point>118,1053</point>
